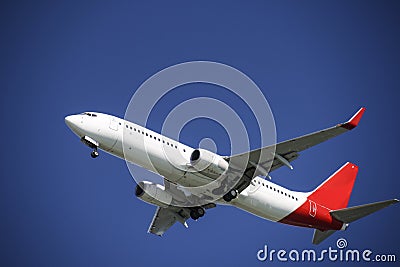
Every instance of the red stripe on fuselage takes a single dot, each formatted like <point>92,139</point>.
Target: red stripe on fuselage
<point>312,215</point>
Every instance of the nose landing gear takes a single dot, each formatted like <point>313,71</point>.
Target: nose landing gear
<point>90,142</point>
<point>94,153</point>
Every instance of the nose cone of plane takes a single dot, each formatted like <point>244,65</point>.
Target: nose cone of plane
<point>72,122</point>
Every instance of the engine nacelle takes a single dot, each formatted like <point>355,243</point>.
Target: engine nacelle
<point>208,163</point>
<point>153,194</point>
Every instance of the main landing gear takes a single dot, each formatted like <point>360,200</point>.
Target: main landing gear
<point>232,194</point>
<point>197,212</point>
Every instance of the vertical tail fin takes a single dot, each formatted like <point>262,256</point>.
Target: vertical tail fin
<point>334,193</point>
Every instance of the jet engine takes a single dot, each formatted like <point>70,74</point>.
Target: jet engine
<point>208,163</point>
<point>153,194</point>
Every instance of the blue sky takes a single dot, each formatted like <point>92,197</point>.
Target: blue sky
<point>316,62</point>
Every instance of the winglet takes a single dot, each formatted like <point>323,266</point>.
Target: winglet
<point>353,122</point>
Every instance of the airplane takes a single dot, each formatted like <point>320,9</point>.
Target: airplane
<point>323,209</point>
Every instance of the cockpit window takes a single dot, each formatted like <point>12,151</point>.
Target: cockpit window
<point>89,114</point>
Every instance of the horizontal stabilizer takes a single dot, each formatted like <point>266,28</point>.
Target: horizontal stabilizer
<point>320,236</point>
<point>352,214</point>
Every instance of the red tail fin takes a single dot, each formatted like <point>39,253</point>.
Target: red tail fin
<point>335,192</point>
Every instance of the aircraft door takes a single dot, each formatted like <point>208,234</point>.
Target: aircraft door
<point>313,208</point>
<point>114,124</point>
<point>253,187</point>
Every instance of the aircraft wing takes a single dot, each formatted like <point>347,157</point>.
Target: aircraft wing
<point>164,218</point>
<point>260,159</point>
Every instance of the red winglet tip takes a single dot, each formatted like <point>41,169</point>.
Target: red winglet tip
<point>352,165</point>
<point>353,122</point>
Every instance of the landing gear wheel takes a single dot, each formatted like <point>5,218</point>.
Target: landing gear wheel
<point>94,154</point>
<point>196,213</point>
<point>227,198</point>
<point>232,194</point>
<point>200,212</point>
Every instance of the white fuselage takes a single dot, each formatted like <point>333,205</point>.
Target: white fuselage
<point>170,159</point>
